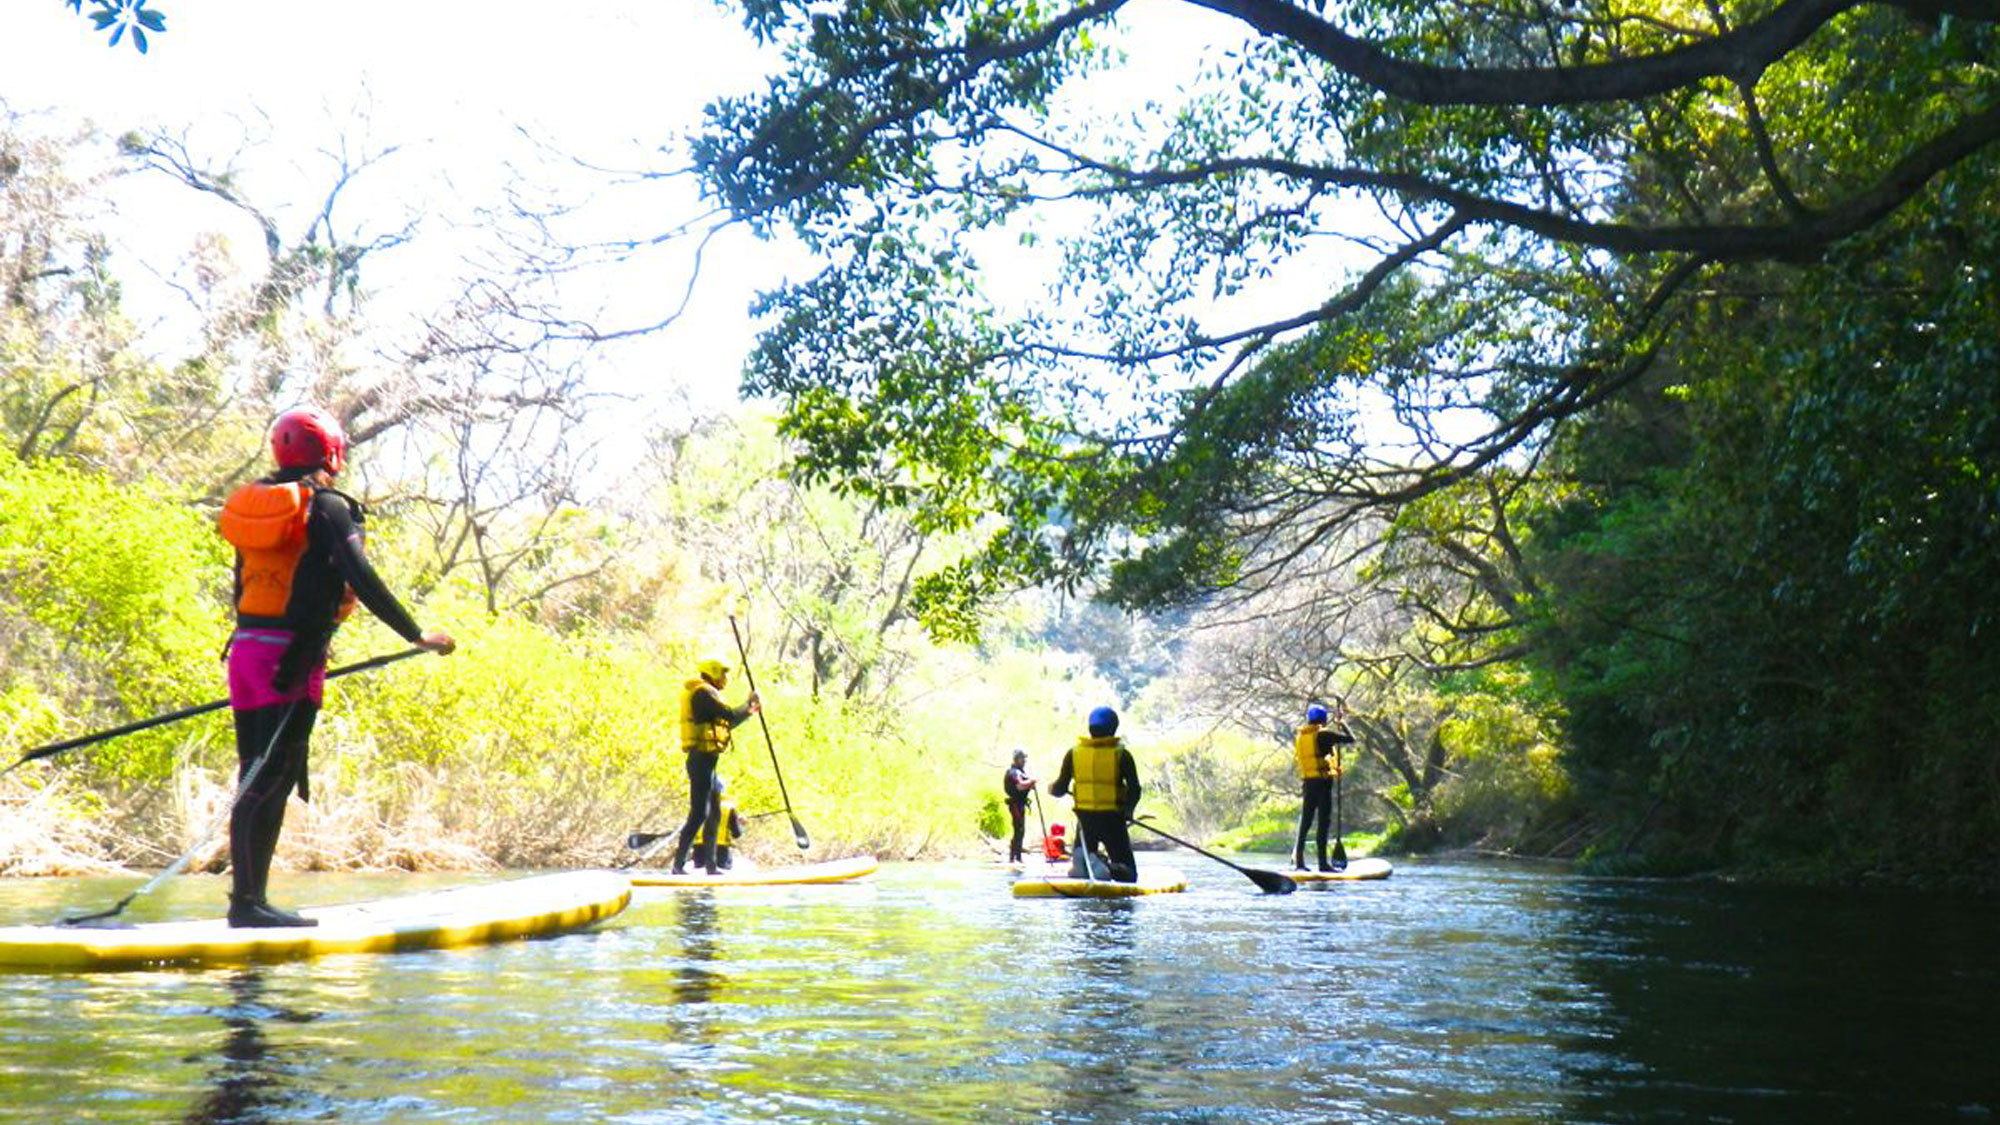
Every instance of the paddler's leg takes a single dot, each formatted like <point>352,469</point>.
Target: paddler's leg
<point>1307,808</point>
<point>701,784</point>
<point>1323,801</point>
<point>711,827</point>
<point>1108,830</point>
<point>258,815</point>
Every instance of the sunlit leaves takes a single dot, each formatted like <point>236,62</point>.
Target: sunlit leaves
<point>122,16</point>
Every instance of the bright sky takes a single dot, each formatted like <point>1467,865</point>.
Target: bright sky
<point>456,85</point>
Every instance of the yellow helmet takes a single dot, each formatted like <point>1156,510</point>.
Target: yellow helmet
<point>712,668</point>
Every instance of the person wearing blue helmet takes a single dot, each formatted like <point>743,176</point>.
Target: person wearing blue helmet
<point>1106,782</point>
<point>1314,748</point>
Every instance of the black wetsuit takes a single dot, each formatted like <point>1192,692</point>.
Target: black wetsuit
<point>1316,798</point>
<point>333,562</point>
<point>704,813</point>
<point>1017,809</point>
<point>1107,829</point>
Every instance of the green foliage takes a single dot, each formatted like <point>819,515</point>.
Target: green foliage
<point>109,606</point>
<point>1774,633</point>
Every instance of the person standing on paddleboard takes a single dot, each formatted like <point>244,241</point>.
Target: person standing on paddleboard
<point>706,722</point>
<point>300,567</point>
<point>1313,749</point>
<point>1019,786</point>
<point>1106,780</point>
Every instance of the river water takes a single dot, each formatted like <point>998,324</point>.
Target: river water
<point>1450,992</point>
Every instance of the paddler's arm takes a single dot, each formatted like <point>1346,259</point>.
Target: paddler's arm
<point>340,535</point>
<point>1128,783</point>
<point>708,707</point>
<point>1061,787</point>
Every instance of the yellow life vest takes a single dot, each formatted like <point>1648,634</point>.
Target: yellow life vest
<point>723,836</point>
<point>266,523</point>
<point>1306,748</point>
<point>1094,766</point>
<point>701,738</point>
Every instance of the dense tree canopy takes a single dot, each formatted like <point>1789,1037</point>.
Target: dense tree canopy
<point>1640,344</point>
<point>1359,210</point>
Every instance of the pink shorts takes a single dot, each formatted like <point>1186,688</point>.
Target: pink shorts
<point>253,660</point>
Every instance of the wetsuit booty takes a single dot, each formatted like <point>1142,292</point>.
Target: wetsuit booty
<point>255,913</point>
<point>681,855</point>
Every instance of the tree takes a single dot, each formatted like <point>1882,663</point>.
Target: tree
<point>1519,202</point>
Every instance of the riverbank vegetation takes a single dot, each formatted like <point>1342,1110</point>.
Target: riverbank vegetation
<point>1597,399</point>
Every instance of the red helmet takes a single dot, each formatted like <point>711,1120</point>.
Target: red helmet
<point>308,437</point>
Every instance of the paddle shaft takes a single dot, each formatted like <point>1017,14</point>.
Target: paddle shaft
<point>175,868</point>
<point>187,713</point>
<point>1339,829</point>
<point>743,654</point>
<point>1270,881</point>
<point>641,839</point>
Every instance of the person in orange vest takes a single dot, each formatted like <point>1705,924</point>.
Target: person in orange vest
<point>300,567</point>
<point>1313,750</point>
<point>706,723</point>
<point>1106,782</point>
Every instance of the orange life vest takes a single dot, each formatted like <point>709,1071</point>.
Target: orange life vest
<point>266,523</point>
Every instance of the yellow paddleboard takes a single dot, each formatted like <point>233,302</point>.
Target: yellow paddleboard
<point>832,871</point>
<point>1356,869</point>
<point>1152,881</point>
<point>461,916</point>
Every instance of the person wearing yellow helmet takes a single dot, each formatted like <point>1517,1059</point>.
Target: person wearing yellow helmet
<point>706,723</point>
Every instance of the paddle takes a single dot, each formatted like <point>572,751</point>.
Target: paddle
<point>1339,844</point>
<point>641,839</point>
<point>186,713</point>
<point>1271,882</point>
<point>798,830</point>
<point>103,919</point>
<point>648,842</point>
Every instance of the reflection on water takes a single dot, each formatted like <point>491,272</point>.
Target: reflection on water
<point>248,1081</point>
<point>1448,993</point>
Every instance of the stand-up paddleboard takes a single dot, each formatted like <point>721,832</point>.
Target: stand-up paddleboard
<point>1370,868</point>
<point>460,916</point>
<point>1152,881</point>
<point>832,871</point>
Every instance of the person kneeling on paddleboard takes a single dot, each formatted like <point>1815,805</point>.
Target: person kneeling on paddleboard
<point>722,828</point>
<point>300,566</point>
<point>706,722</point>
<point>1106,781</point>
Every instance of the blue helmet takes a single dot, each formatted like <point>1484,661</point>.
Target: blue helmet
<point>1103,722</point>
<point>1315,714</point>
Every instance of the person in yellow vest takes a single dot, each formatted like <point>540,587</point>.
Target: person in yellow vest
<point>705,725</point>
<point>1106,782</point>
<point>728,825</point>
<point>1318,762</point>
<point>300,567</point>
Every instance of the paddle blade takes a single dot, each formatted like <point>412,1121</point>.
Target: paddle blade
<point>1339,856</point>
<point>1271,882</point>
<point>799,834</point>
